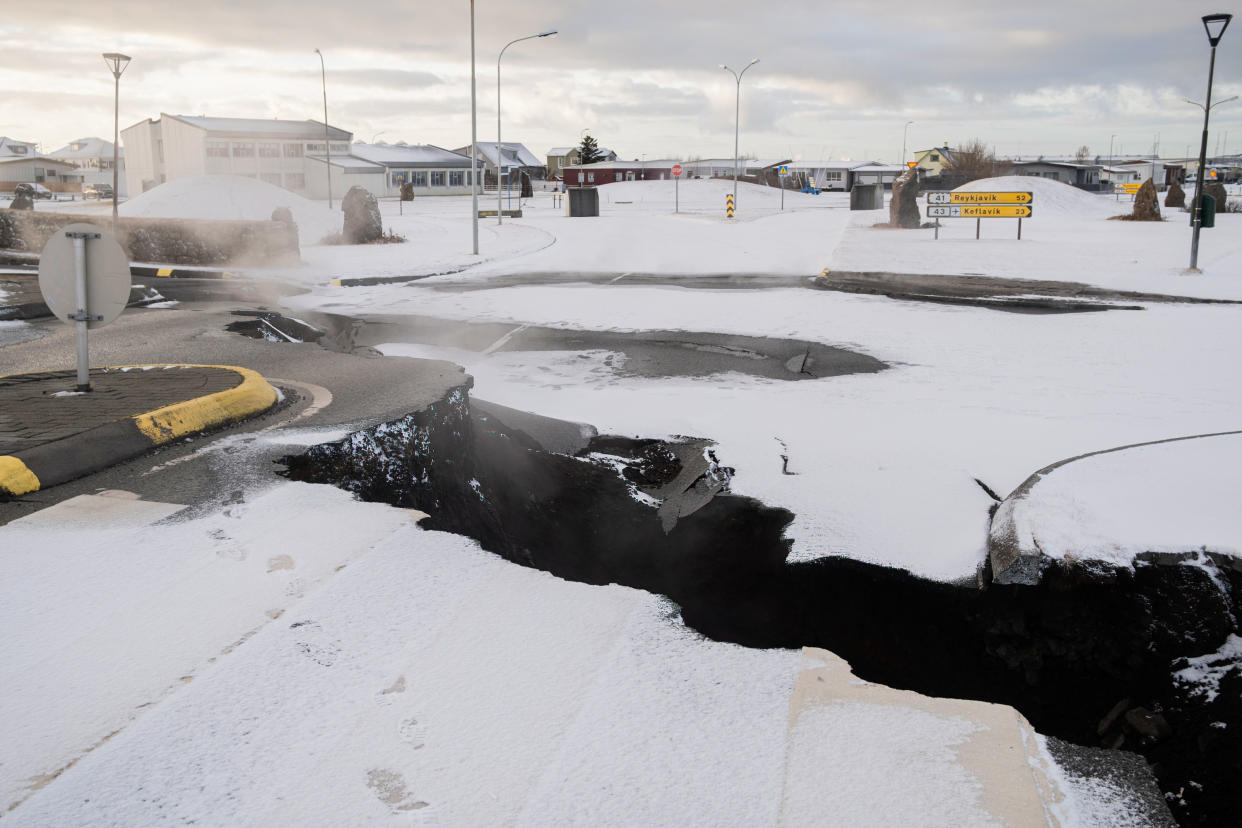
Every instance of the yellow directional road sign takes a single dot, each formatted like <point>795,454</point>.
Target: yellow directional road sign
<point>980,211</point>
<point>980,198</point>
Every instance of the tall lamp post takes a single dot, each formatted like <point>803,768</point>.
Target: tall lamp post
<point>903,142</point>
<point>737,115</point>
<point>499,157</point>
<point>1214,25</point>
<point>327,141</point>
<point>474,139</point>
<point>116,64</point>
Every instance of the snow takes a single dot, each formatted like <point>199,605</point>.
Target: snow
<point>232,198</point>
<point>1203,673</point>
<point>321,695</point>
<point>1069,238</point>
<point>1177,497</point>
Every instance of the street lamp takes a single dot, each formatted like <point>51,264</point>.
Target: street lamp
<point>116,64</point>
<point>499,158</point>
<point>737,114</point>
<point>1214,25</point>
<point>474,139</point>
<point>903,141</point>
<point>327,142</point>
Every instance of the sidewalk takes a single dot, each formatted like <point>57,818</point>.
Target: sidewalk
<point>50,433</point>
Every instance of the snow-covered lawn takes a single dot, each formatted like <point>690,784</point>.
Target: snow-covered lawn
<point>303,659</point>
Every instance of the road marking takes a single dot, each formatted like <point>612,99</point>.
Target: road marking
<point>619,278</point>
<point>504,340</point>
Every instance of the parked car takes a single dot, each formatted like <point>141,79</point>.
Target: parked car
<point>34,190</point>
<point>99,191</point>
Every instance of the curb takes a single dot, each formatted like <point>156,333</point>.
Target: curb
<point>104,446</point>
<point>179,273</point>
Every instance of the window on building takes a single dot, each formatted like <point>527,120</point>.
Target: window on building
<point>457,179</point>
<point>217,149</point>
<point>397,177</point>
<point>243,150</point>
<point>437,179</point>
<point>18,150</point>
<point>293,150</point>
<point>620,176</point>
<point>418,179</point>
<point>269,150</point>
<point>295,181</point>
<point>590,178</point>
<point>343,149</point>
<point>270,178</point>
<point>934,157</point>
<point>315,148</point>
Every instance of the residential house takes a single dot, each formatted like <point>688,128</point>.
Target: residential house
<point>12,148</point>
<point>610,172</point>
<point>513,156</point>
<point>93,158</point>
<point>56,175</point>
<point>289,154</point>
<point>934,161</point>
<point>1077,174</point>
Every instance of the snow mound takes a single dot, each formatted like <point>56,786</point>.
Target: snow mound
<point>1050,197</point>
<point>232,198</point>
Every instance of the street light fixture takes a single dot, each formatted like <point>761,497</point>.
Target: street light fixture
<point>116,64</point>
<point>1214,25</point>
<point>474,139</point>
<point>737,114</point>
<point>903,141</point>
<point>499,158</point>
<point>327,141</point>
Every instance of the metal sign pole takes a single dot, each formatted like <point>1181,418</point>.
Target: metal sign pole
<point>677,194</point>
<point>1019,228</point>
<point>977,223</point>
<point>937,227</point>
<point>82,316</point>
<point>782,178</point>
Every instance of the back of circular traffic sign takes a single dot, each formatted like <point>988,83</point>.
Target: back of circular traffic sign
<point>107,275</point>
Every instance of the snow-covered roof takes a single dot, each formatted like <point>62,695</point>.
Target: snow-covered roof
<point>86,148</point>
<point>515,154</point>
<point>823,165</point>
<point>265,127</point>
<point>42,159</point>
<point>350,163</point>
<point>1071,164</point>
<point>876,166</point>
<point>561,151</point>
<point>417,155</point>
<point>11,146</point>
<point>655,164</point>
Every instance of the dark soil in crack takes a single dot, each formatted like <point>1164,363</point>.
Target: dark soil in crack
<point>1087,656</point>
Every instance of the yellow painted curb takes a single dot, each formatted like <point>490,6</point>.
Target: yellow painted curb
<point>15,478</point>
<point>253,395</point>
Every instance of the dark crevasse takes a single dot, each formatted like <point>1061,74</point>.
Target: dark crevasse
<point>1086,655</point>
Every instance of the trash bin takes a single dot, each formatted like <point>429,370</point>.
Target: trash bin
<point>1207,211</point>
<point>582,201</point>
<point>867,197</point>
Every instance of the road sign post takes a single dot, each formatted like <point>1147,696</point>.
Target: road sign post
<point>781,172</point>
<point>84,284</point>
<point>979,206</point>
<point>676,188</point>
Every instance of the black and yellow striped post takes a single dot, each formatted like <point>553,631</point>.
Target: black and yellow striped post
<point>729,205</point>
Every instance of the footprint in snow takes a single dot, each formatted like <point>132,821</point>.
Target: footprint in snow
<point>312,642</point>
<point>413,732</point>
<point>390,788</point>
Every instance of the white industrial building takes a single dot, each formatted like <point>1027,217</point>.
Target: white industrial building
<point>285,153</point>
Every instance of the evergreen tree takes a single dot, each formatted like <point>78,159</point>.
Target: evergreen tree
<point>589,151</point>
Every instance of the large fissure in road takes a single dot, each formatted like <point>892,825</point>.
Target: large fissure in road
<point>1089,655</point>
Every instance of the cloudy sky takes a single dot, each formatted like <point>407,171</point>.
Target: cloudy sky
<point>837,78</point>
